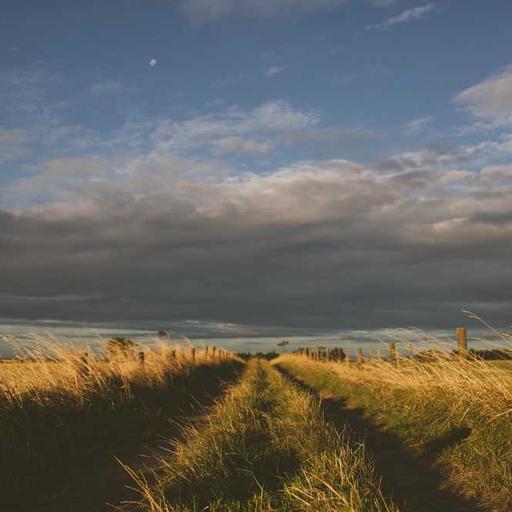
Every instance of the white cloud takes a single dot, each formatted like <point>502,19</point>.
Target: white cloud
<point>273,71</point>
<point>406,16</point>
<point>262,122</point>
<point>207,10</point>
<point>490,99</point>
<point>416,125</point>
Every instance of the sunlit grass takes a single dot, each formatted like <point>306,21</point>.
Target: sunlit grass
<point>265,447</point>
<point>427,405</point>
<point>60,407</point>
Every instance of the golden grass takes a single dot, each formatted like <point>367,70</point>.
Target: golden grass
<point>59,409</point>
<point>456,410</point>
<point>265,447</point>
<point>57,367</point>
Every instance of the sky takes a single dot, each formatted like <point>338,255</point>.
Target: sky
<point>256,168</point>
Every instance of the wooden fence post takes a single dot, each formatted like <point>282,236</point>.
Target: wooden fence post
<point>142,358</point>
<point>193,355</point>
<point>360,357</point>
<point>462,341</point>
<point>393,354</point>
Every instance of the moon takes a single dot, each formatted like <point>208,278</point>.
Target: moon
<point>152,63</point>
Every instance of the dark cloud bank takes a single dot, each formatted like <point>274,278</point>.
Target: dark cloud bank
<point>311,248</point>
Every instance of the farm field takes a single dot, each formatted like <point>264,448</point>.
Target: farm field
<point>184,430</point>
<point>64,415</point>
<point>449,418</point>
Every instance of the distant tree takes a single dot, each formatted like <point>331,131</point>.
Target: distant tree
<point>120,347</point>
<point>163,335</point>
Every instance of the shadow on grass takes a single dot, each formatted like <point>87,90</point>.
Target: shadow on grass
<point>248,461</point>
<point>55,446</point>
<point>411,481</point>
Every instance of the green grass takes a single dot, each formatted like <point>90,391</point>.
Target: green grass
<point>265,447</point>
<point>455,413</point>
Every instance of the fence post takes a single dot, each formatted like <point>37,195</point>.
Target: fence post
<point>462,341</point>
<point>142,358</point>
<point>393,354</point>
<point>347,359</point>
<point>193,355</point>
<point>206,350</point>
<point>360,357</point>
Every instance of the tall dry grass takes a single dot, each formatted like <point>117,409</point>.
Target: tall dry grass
<point>60,409</point>
<point>264,447</point>
<point>55,367</point>
<point>456,410</point>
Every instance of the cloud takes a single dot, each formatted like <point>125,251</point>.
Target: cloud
<point>201,11</point>
<point>153,62</point>
<point>490,99</point>
<point>441,156</point>
<point>406,16</point>
<point>416,125</point>
<point>235,144</point>
<point>262,123</point>
<point>315,245</point>
<point>273,71</point>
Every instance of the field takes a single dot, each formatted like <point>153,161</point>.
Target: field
<point>61,411</point>
<point>447,421</point>
<point>296,433</point>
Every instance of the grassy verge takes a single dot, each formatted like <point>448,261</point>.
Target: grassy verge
<point>57,414</point>
<point>265,447</point>
<point>456,412</point>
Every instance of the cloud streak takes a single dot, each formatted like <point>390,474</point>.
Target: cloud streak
<point>406,16</point>
<point>201,11</point>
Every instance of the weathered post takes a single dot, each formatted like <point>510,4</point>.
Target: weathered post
<point>347,359</point>
<point>360,357</point>
<point>193,351</point>
<point>393,354</point>
<point>462,341</point>
<point>214,349</point>
<point>206,350</point>
<point>142,358</point>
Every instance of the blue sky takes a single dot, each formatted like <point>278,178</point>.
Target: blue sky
<point>201,122</point>
<point>83,68</point>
